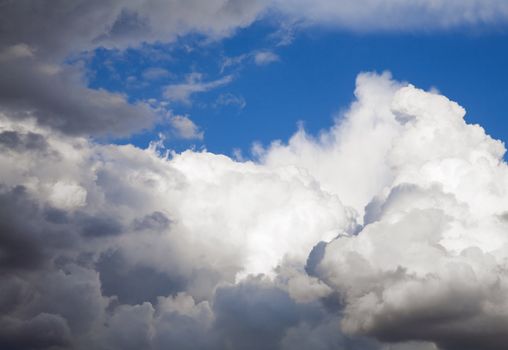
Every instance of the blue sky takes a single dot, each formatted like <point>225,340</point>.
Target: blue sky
<point>310,79</point>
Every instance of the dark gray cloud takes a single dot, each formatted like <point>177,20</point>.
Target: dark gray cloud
<point>57,97</point>
<point>12,140</point>
<point>21,240</point>
<point>266,312</point>
<point>43,331</point>
<point>134,284</point>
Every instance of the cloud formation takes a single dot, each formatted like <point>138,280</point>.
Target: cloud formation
<point>429,259</point>
<point>193,84</point>
<point>325,243</point>
<point>263,58</point>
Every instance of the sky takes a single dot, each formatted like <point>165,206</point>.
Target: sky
<point>272,174</point>
<point>309,80</point>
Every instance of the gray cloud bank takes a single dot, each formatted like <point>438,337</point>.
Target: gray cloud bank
<point>386,232</point>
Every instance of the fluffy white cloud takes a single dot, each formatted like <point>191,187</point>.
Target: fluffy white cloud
<point>430,260</point>
<point>391,224</point>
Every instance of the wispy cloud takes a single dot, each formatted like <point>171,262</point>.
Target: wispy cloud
<point>262,58</point>
<point>258,57</point>
<point>229,99</point>
<point>194,83</point>
<point>156,73</point>
<point>185,128</point>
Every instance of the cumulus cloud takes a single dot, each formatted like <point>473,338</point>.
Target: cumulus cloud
<point>428,261</point>
<point>116,227</point>
<point>328,242</point>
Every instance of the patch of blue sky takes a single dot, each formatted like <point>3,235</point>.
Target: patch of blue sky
<point>311,80</point>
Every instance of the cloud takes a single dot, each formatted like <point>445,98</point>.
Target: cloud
<point>193,84</point>
<point>263,58</point>
<point>118,24</point>
<point>229,99</point>
<point>155,73</point>
<point>55,96</point>
<point>128,252</point>
<point>392,15</point>
<point>185,128</point>
<point>323,242</point>
<point>258,57</point>
<point>430,189</point>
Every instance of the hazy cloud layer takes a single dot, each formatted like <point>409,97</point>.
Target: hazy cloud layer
<point>328,243</point>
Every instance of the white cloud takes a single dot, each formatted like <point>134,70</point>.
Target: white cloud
<point>185,128</point>
<point>65,195</point>
<point>429,261</point>
<point>155,73</point>
<point>263,58</point>
<point>258,57</point>
<point>193,84</point>
<point>229,99</point>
